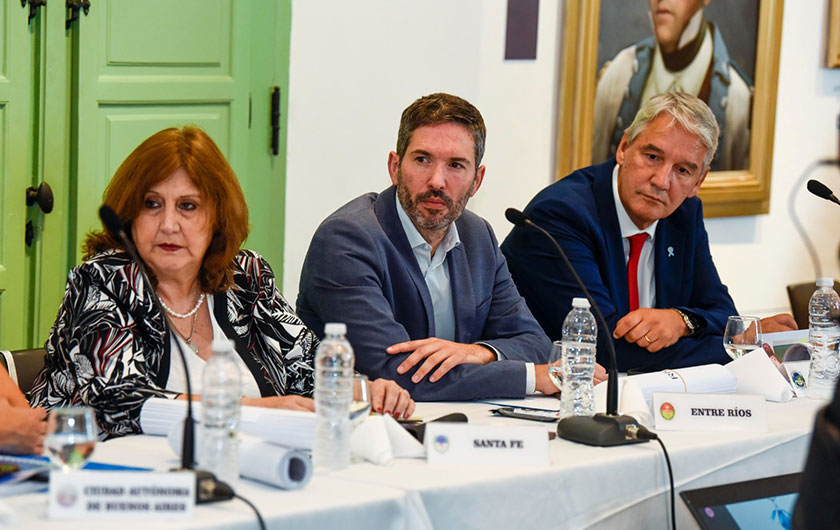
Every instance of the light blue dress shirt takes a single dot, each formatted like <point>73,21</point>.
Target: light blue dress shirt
<point>435,272</point>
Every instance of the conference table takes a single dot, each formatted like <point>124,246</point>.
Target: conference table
<point>583,487</point>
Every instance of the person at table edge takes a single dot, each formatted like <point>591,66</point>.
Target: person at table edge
<point>420,281</point>
<point>22,429</point>
<point>633,229</point>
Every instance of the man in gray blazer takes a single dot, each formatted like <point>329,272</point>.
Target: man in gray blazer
<point>420,282</point>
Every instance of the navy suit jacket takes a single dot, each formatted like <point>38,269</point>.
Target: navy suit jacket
<point>579,211</point>
<point>361,270</point>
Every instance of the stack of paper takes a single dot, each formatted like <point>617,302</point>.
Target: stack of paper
<point>705,379</point>
<point>290,428</point>
<point>20,481</point>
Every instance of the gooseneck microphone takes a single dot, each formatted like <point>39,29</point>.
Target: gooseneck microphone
<point>115,227</point>
<point>208,489</point>
<point>603,429</point>
<point>822,191</point>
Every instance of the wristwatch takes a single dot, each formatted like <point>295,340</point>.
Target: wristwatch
<point>689,322</point>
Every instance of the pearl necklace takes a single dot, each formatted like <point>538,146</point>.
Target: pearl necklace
<point>184,315</point>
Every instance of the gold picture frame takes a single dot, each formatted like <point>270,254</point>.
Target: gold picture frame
<point>724,193</point>
<point>832,56</point>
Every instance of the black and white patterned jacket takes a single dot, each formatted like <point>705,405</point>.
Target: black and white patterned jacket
<point>109,346</point>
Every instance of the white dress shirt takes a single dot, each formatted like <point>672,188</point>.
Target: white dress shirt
<point>645,277</point>
<point>436,274</point>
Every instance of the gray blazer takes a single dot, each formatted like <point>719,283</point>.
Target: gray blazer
<point>361,270</point>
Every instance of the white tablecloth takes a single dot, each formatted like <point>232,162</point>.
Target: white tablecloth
<point>585,487</point>
<point>324,503</point>
<point>618,487</point>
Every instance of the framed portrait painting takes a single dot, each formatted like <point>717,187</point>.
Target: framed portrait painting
<point>832,59</point>
<point>618,53</point>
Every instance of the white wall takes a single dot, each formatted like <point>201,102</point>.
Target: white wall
<point>757,256</point>
<point>356,65</point>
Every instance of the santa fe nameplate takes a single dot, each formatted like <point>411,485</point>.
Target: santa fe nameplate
<point>461,444</point>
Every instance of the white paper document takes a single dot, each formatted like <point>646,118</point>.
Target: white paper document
<point>629,398</point>
<point>290,428</point>
<point>757,374</point>
<point>705,379</point>
<point>273,464</point>
<point>380,439</point>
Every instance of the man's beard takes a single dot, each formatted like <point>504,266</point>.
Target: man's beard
<point>433,222</point>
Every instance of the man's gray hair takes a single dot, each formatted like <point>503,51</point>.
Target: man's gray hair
<point>689,111</point>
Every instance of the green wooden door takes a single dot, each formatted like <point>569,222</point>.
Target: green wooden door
<point>263,174</point>
<point>144,66</point>
<point>16,51</point>
<point>49,255</point>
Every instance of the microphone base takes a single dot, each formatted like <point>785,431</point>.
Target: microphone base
<point>600,430</point>
<point>208,488</point>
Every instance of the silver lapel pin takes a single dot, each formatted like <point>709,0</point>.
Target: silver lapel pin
<point>670,252</point>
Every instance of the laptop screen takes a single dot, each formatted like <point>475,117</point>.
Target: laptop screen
<point>763,503</point>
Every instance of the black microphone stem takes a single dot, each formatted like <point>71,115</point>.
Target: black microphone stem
<point>115,226</point>
<point>797,224</point>
<point>603,430</point>
<point>612,371</point>
<point>188,445</point>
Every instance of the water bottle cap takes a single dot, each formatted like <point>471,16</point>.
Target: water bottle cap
<point>825,282</point>
<point>222,344</point>
<point>580,302</point>
<point>335,328</point>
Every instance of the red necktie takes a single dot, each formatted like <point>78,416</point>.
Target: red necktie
<point>637,241</point>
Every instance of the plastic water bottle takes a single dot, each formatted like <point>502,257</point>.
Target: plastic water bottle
<point>823,336</point>
<point>220,396</point>
<point>580,336</point>
<point>333,397</point>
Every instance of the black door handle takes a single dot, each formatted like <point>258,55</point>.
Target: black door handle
<point>43,196</point>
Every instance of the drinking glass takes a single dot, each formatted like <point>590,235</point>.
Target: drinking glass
<point>742,335</point>
<point>555,364</point>
<point>71,436</point>
<point>360,407</point>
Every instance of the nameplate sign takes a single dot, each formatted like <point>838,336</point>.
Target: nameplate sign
<point>797,375</point>
<point>709,412</point>
<point>487,445</point>
<point>121,495</point>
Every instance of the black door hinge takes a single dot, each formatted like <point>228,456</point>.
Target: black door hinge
<point>275,121</point>
<point>73,8</point>
<point>33,7</point>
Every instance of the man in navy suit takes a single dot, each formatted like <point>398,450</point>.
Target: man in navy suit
<point>420,281</point>
<point>633,229</point>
